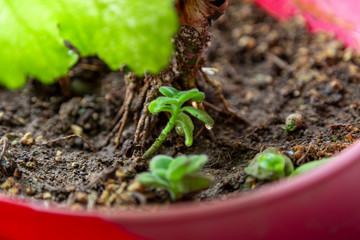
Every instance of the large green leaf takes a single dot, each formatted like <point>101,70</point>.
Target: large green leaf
<point>136,33</point>
<point>121,32</point>
<point>30,44</point>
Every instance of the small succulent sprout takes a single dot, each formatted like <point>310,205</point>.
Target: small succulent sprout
<point>310,166</point>
<point>270,165</point>
<point>178,175</point>
<point>172,102</point>
<point>293,122</point>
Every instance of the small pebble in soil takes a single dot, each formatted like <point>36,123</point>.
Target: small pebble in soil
<point>81,197</point>
<point>9,182</point>
<point>295,119</point>
<point>39,140</point>
<point>27,139</point>
<point>103,197</point>
<point>30,164</point>
<point>47,195</point>
<point>74,164</point>
<point>30,191</point>
<point>120,174</point>
<point>76,129</point>
<point>136,186</point>
<point>17,173</point>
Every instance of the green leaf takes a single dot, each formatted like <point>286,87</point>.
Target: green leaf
<point>178,168</point>
<point>167,100</point>
<point>309,166</point>
<point>197,163</point>
<point>198,97</point>
<point>30,44</point>
<point>136,33</point>
<point>160,162</point>
<point>272,161</point>
<point>149,179</point>
<point>195,182</point>
<point>185,127</point>
<point>160,104</point>
<point>187,95</point>
<point>199,114</point>
<point>168,91</point>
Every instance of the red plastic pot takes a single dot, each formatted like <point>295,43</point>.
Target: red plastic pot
<point>322,204</point>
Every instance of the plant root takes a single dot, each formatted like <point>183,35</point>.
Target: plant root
<point>129,96</point>
<point>216,85</point>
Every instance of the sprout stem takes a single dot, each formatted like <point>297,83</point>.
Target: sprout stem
<point>155,146</point>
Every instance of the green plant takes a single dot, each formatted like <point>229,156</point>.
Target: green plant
<point>172,103</point>
<point>310,166</point>
<point>178,175</point>
<point>33,33</point>
<point>270,165</point>
<point>290,127</point>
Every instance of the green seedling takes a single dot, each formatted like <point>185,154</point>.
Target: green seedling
<point>310,166</point>
<point>179,176</point>
<point>172,102</point>
<point>290,127</point>
<point>270,165</point>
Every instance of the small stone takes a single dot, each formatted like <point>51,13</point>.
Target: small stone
<point>17,173</point>
<point>47,195</point>
<point>30,191</point>
<point>81,197</point>
<point>9,182</point>
<point>27,139</point>
<point>103,197</point>
<point>119,173</point>
<point>14,190</point>
<point>136,186</point>
<point>39,140</point>
<point>349,137</point>
<point>70,188</point>
<point>336,86</point>
<point>30,164</point>
<point>295,119</point>
<point>57,159</point>
<point>76,129</point>
<point>247,42</point>
<point>75,164</point>
<point>59,153</point>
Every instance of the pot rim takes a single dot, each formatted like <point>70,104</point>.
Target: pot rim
<point>242,202</point>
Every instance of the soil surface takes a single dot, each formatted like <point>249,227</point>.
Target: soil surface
<point>268,71</point>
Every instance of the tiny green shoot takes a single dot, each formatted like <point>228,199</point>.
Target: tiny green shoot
<point>172,102</point>
<point>270,165</point>
<point>289,127</point>
<point>178,175</point>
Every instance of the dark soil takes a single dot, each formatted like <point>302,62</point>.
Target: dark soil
<point>268,71</point>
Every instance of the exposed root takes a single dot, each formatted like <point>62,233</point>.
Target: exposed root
<point>72,136</point>
<point>216,85</point>
<point>4,141</point>
<point>129,96</point>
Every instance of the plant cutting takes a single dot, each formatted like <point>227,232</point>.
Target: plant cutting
<point>270,165</point>
<point>172,103</point>
<point>178,175</point>
<point>268,70</point>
